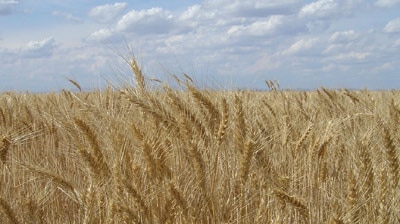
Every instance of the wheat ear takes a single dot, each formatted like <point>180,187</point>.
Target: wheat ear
<point>61,182</point>
<point>4,148</point>
<point>391,157</point>
<point>203,100</point>
<point>178,198</point>
<point>295,202</point>
<point>96,159</point>
<point>240,125</point>
<point>303,137</point>
<point>182,108</point>
<point>8,211</point>
<point>351,198</point>
<point>123,182</point>
<point>76,84</point>
<point>138,74</point>
<point>223,123</point>
<point>245,162</point>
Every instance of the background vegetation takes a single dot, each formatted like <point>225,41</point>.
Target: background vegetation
<point>190,155</point>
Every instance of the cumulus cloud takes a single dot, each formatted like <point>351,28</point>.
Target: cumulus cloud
<point>343,36</point>
<point>39,49</point>
<point>258,28</point>
<point>101,35</point>
<point>319,9</point>
<point>254,8</point>
<point>149,21</point>
<point>387,3</point>
<point>300,46</point>
<point>273,25</point>
<point>107,13</point>
<point>393,26</point>
<point>281,38</point>
<point>7,6</point>
<point>351,56</point>
<point>68,16</point>
<point>193,12</point>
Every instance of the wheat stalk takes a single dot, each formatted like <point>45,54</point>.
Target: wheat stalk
<point>95,159</point>
<point>138,74</point>
<point>178,198</point>
<point>8,212</point>
<point>240,125</point>
<point>76,84</point>
<point>4,148</point>
<point>391,157</point>
<point>65,185</point>
<point>303,137</point>
<point>204,101</point>
<point>245,162</point>
<point>294,201</point>
<point>223,123</point>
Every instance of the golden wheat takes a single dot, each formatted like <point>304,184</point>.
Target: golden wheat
<point>186,155</point>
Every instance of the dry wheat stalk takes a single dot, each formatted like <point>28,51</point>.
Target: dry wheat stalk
<point>352,197</point>
<point>96,158</point>
<point>294,201</point>
<point>122,183</point>
<point>205,102</point>
<point>8,212</point>
<point>138,74</point>
<point>132,217</point>
<point>391,157</point>
<point>35,213</point>
<point>3,117</point>
<point>65,185</point>
<point>245,161</point>
<point>178,198</point>
<point>4,148</point>
<point>145,107</point>
<point>150,160</point>
<point>240,125</point>
<point>303,137</point>
<point>223,123</point>
<point>269,107</point>
<point>76,84</point>
<point>185,110</point>
<point>368,167</point>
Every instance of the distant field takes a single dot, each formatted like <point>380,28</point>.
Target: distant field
<point>132,155</point>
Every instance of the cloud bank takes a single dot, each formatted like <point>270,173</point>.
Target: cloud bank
<point>303,44</point>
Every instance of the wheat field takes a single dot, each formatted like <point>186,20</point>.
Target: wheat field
<point>189,155</point>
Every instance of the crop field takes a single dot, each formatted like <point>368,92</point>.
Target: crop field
<point>135,154</point>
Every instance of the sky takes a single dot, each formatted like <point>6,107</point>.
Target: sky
<point>219,43</point>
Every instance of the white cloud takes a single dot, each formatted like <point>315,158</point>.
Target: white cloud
<point>39,49</point>
<point>319,9</point>
<point>393,26</point>
<point>101,35</point>
<point>68,16</point>
<point>351,56</point>
<point>107,13</point>
<point>254,8</point>
<point>7,6</point>
<point>300,46</point>
<point>193,12</point>
<point>397,43</point>
<point>149,21</point>
<point>343,36</point>
<point>258,28</point>
<point>273,25</point>
<point>216,37</point>
<point>387,3</point>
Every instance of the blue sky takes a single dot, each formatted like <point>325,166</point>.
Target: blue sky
<point>220,43</point>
